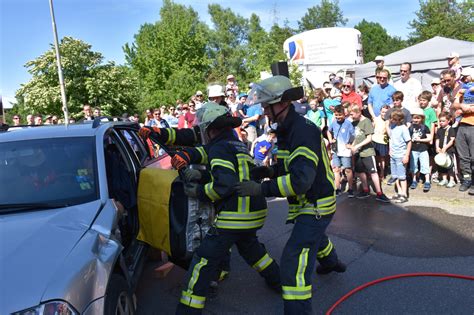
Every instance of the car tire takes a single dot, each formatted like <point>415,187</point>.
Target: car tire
<point>118,299</point>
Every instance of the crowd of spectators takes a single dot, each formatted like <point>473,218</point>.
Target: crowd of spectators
<point>389,128</point>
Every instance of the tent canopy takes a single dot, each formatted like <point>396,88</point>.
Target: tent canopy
<point>428,59</point>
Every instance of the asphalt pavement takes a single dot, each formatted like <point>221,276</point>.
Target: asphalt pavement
<point>432,233</point>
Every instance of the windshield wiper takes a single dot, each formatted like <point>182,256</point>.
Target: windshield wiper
<point>14,207</point>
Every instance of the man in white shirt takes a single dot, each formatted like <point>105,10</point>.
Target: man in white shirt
<point>410,87</point>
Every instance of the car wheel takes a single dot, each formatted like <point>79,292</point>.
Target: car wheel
<point>118,299</point>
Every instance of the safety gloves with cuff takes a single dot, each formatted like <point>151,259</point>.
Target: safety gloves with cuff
<point>191,175</point>
<point>248,188</point>
<point>180,160</point>
<point>146,131</point>
<point>154,133</point>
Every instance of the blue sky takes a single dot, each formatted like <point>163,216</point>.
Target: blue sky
<point>26,30</point>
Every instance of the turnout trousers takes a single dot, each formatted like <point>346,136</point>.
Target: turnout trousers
<point>208,257</point>
<point>308,242</point>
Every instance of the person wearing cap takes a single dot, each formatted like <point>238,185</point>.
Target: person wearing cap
<point>335,92</point>
<point>237,218</point>
<point>380,65</point>
<point>329,104</point>
<point>215,93</point>
<point>455,64</point>
<point>198,99</point>
<point>420,138</point>
<point>231,85</point>
<point>349,94</point>
<point>48,120</point>
<point>303,174</point>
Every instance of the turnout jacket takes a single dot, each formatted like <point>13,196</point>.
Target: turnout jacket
<point>303,171</point>
<point>229,162</point>
<point>185,136</point>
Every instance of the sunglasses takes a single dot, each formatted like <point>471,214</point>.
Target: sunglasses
<point>347,86</point>
<point>379,77</point>
<point>16,117</point>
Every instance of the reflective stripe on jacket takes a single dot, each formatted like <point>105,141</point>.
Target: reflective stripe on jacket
<point>303,170</point>
<point>229,162</point>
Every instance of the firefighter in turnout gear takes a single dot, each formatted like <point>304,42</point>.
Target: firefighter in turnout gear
<point>188,137</point>
<point>237,218</point>
<point>302,174</point>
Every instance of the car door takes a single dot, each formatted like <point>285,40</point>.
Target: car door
<point>147,153</point>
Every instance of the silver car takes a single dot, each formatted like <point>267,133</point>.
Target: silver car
<point>68,218</point>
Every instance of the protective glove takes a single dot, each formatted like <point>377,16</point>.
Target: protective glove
<point>145,132</point>
<point>191,190</point>
<point>191,175</point>
<point>261,172</point>
<point>248,188</point>
<point>180,159</point>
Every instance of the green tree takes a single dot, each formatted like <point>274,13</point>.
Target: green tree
<point>448,18</point>
<point>170,57</point>
<point>326,14</point>
<point>83,71</point>
<point>278,34</point>
<point>376,40</point>
<point>227,44</point>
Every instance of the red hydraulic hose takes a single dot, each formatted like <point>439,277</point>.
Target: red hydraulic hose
<point>404,275</point>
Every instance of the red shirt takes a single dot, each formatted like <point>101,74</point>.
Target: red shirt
<point>189,118</point>
<point>352,98</point>
<point>181,122</point>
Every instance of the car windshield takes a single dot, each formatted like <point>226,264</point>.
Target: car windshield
<point>48,173</point>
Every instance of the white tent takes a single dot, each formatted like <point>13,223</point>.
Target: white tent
<point>428,59</point>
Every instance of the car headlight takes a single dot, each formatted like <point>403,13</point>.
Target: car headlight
<point>49,308</point>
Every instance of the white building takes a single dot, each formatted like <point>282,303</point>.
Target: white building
<point>323,51</point>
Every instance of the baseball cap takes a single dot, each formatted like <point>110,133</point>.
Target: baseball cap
<point>198,93</point>
<point>242,95</point>
<point>453,55</point>
<point>379,58</point>
<point>336,80</point>
<point>417,111</point>
<point>435,81</point>
<point>230,76</point>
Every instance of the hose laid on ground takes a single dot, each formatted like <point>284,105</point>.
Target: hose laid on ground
<point>405,275</point>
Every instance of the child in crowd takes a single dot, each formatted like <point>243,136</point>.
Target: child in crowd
<point>262,148</point>
<point>445,138</point>
<point>336,93</point>
<point>341,134</point>
<point>380,139</point>
<point>421,138</point>
<point>431,118</point>
<point>363,149</point>
<point>400,147</point>
<point>397,99</point>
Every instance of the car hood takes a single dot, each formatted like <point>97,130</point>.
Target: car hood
<point>33,245</point>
